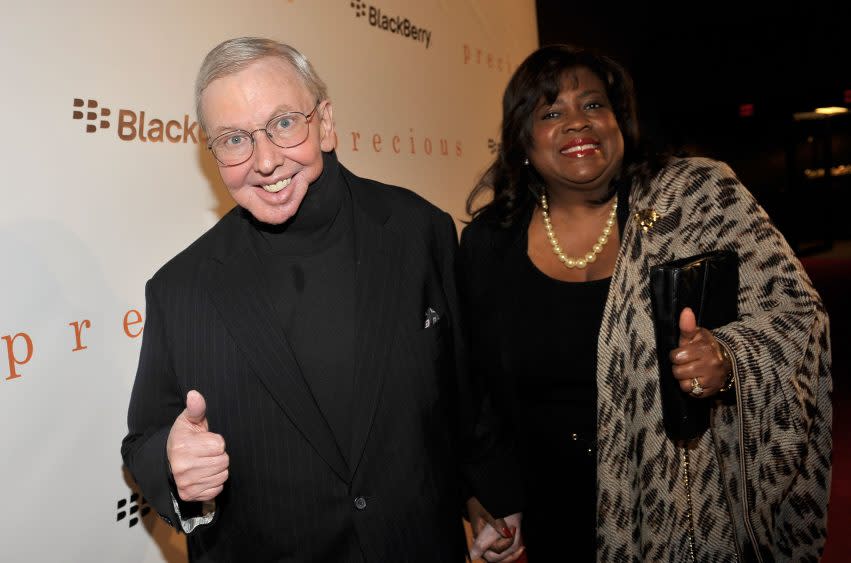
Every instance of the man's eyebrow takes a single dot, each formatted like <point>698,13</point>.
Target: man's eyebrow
<point>279,110</point>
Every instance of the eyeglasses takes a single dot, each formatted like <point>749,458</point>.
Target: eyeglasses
<point>286,131</point>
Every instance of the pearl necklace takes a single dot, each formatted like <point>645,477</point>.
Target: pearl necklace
<point>570,261</point>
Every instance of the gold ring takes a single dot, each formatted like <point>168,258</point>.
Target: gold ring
<point>696,388</point>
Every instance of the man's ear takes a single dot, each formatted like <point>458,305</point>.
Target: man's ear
<point>327,132</point>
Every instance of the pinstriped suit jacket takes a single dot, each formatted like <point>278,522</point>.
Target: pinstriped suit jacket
<point>291,495</point>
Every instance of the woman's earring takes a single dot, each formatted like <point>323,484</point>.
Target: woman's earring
<point>526,161</point>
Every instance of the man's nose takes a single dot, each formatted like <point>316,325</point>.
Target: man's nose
<point>267,155</point>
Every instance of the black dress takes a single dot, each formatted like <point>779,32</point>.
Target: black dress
<point>554,326</point>
<point>534,347</point>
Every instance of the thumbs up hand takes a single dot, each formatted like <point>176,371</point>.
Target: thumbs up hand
<point>197,457</point>
<point>698,363</point>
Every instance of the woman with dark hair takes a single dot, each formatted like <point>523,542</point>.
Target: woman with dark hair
<point>555,272</point>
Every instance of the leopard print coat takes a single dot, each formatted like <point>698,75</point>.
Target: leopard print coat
<point>760,476</point>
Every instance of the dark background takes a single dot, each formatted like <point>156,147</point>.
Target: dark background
<point>693,73</point>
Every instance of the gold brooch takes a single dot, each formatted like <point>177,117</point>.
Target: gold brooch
<point>646,218</point>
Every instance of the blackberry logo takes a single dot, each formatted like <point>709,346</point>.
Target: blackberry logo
<point>91,115</point>
<point>396,25</point>
<point>133,125</point>
<point>137,505</point>
<point>360,8</point>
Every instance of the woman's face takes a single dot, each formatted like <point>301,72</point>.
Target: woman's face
<point>576,141</point>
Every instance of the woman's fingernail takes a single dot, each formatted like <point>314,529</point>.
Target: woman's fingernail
<point>506,532</point>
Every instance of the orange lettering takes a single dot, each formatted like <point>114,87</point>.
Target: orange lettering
<point>396,140</point>
<point>132,318</point>
<point>189,131</point>
<point>466,53</point>
<point>355,138</point>
<point>376,142</point>
<point>168,126</point>
<point>78,329</point>
<point>10,353</point>
<point>427,145</point>
<point>126,125</point>
<point>155,133</point>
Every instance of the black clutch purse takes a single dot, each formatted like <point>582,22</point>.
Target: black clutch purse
<point>709,284</point>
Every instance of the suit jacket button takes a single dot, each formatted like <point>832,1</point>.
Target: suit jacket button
<point>360,503</point>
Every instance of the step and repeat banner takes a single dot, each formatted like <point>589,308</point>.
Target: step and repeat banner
<point>105,177</point>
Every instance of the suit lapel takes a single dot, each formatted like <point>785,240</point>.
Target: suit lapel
<point>377,254</point>
<point>234,280</point>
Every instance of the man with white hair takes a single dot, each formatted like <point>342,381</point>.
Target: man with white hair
<point>302,392</point>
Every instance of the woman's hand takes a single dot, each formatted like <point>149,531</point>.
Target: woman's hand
<point>494,539</point>
<point>699,363</point>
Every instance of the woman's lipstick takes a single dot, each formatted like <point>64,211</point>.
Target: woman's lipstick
<point>580,147</point>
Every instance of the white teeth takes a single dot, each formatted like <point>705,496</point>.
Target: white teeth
<point>578,148</point>
<point>278,186</point>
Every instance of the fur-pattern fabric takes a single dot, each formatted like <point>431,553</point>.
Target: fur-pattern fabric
<point>772,445</point>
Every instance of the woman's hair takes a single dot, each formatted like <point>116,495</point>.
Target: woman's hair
<point>233,55</point>
<point>515,185</point>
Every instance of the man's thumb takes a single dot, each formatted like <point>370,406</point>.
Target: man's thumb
<point>196,407</point>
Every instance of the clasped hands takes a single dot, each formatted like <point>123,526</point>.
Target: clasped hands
<point>494,539</point>
<point>699,358</point>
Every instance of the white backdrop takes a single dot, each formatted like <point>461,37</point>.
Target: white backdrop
<point>90,210</point>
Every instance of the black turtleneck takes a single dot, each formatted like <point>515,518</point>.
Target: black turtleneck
<point>309,263</point>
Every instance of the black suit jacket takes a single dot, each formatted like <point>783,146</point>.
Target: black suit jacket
<point>290,495</point>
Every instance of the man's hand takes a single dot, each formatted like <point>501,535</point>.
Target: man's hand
<point>197,457</point>
<point>494,540</point>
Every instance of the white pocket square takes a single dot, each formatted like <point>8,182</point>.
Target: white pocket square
<point>431,317</point>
